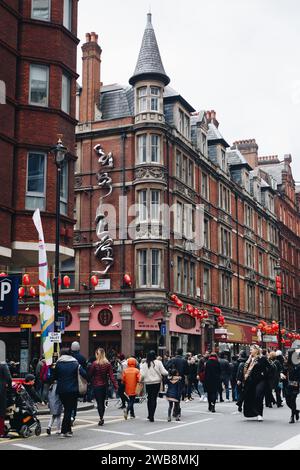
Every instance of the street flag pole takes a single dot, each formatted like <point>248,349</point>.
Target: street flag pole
<point>45,293</point>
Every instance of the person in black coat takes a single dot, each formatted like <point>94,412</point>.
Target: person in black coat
<point>212,381</point>
<point>292,375</point>
<point>181,365</point>
<point>256,371</point>
<point>240,379</point>
<point>66,375</point>
<point>5,385</point>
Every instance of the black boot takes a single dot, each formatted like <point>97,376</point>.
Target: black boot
<point>209,406</point>
<point>213,409</point>
<point>297,415</point>
<point>292,420</point>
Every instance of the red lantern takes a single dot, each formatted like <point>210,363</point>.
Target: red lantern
<point>26,280</point>
<point>67,281</point>
<point>217,310</point>
<point>173,297</point>
<point>94,280</point>
<point>127,280</point>
<point>196,313</point>
<point>21,292</point>
<point>290,335</point>
<point>205,314</point>
<point>32,291</point>
<point>283,341</point>
<point>179,303</point>
<point>283,331</point>
<point>253,330</point>
<point>3,274</point>
<point>259,326</point>
<point>190,309</point>
<point>59,281</point>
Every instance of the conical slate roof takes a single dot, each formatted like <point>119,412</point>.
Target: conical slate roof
<point>149,64</point>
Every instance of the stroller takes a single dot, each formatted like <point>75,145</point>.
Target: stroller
<point>21,412</point>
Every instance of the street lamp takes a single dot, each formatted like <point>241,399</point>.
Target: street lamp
<point>59,152</point>
<point>277,269</point>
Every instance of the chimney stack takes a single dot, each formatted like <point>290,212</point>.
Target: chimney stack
<point>211,117</point>
<point>249,149</point>
<point>90,94</point>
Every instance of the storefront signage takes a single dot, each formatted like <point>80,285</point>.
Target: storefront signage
<point>186,322</point>
<point>270,339</point>
<point>105,317</point>
<point>9,287</point>
<point>55,337</point>
<point>15,322</point>
<point>104,247</point>
<point>67,316</point>
<point>103,284</point>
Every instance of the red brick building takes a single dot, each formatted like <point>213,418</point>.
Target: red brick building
<point>146,144</point>
<point>38,43</point>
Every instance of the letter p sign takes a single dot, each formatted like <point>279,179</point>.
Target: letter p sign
<point>5,289</point>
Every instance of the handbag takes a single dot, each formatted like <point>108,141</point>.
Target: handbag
<point>293,384</point>
<point>139,389</point>
<point>82,383</point>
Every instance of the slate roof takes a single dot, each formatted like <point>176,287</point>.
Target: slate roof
<point>116,101</point>
<point>235,157</point>
<point>149,61</point>
<point>215,134</point>
<point>275,170</point>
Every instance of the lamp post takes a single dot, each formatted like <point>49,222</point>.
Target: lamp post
<point>59,152</point>
<point>277,270</point>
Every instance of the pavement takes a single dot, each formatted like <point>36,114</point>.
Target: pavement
<point>44,410</point>
<point>227,429</point>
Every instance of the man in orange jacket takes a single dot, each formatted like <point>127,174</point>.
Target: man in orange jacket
<point>130,377</point>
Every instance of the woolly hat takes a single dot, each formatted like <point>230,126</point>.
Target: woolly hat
<point>75,346</point>
<point>278,353</point>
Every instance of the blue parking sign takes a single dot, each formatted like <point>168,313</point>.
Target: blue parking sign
<point>9,294</point>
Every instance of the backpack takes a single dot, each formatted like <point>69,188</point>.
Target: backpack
<point>45,373</point>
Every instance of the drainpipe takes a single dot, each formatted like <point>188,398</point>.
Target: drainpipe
<point>237,251</point>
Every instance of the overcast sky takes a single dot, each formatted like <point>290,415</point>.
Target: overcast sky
<point>238,57</point>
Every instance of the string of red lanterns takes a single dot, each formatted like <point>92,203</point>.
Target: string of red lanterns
<point>273,329</point>
<point>195,312</point>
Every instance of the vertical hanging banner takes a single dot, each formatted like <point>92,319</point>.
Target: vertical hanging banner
<point>46,299</point>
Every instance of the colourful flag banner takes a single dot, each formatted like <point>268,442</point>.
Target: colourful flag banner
<point>46,299</point>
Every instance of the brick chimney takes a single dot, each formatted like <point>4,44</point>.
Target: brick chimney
<point>90,94</point>
<point>211,117</point>
<point>249,149</point>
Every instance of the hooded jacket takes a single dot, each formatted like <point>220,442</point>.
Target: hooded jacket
<point>66,374</point>
<point>174,388</point>
<point>130,377</point>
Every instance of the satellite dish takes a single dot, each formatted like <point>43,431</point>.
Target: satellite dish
<point>296,357</point>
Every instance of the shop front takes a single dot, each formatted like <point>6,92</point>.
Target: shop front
<point>239,336</point>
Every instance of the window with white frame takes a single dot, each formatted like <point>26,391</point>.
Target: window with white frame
<point>260,262</point>
<point>259,226</point>
<point>206,234</point>
<point>186,277</point>
<point>64,188</point>
<point>250,298</point>
<point>150,268</point>
<point>39,85</point>
<point>149,98</point>
<point>66,93</point>
<point>184,124</point>
<point>36,181</point>
<point>262,302</point>
<point>179,274</point>
<point>67,19</point>
<point>204,186</point>
<point>249,255</point>
<point>224,198</point>
<point>225,242</point>
<point>226,290</point>
<point>223,160</point>
<point>40,10</point>
<point>206,285</point>
<point>204,143</point>
<point>184,169</point>
<point>248,216</point>
<point>149,205</point>
<point>149,148</point>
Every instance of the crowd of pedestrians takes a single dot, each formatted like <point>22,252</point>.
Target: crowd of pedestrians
<point>261,378</point>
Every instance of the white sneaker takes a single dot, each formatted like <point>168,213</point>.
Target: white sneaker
<point>260,418</point>
<point>205,399</point>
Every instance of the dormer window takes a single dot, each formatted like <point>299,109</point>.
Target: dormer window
<point>149,99</point>
<point>184,124</point>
